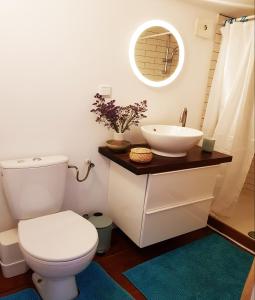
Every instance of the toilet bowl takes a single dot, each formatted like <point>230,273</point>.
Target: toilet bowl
<point>57,247</point>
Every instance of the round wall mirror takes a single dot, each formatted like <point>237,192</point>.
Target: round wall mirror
<point>156,53</point>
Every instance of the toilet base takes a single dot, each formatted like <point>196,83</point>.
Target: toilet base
<point>55,289</point>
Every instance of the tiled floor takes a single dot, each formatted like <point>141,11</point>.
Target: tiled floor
<point>243,218</point>
<point>123,255</point>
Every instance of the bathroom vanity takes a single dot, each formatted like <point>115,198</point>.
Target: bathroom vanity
<point>164,198</point>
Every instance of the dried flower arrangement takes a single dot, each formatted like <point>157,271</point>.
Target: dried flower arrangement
<point>119,118</point>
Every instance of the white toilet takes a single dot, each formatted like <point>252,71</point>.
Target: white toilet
<point>56,245</point>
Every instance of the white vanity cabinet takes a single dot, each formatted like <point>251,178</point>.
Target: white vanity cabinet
<point>151,208</point>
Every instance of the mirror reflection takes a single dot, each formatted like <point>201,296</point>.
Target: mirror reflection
<point>156,53</point>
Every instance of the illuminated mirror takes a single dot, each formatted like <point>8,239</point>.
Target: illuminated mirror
<point>156,53</point>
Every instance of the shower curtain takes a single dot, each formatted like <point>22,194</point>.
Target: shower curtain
<point>229,116</point>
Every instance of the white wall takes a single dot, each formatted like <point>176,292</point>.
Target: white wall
<point>54,54</point>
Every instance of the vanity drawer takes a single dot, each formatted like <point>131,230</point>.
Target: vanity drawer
<point>180,187</point>
<point>168,222</point>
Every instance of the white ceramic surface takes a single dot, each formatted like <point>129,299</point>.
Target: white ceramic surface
<point>33,162</point>
<point>56,280</point>
<point>57,270</point>
<point>69,235</point>
<point>171,141</point>
<point>56,245</point>
<point>34,187</point>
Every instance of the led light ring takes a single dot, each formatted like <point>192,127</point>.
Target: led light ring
<point>133,41</point>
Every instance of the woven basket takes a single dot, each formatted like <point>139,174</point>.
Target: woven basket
<point>140,155</point>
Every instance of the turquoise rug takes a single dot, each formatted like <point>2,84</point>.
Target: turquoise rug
<point>27,294</point>
<point>208,269</point>
<point>94,284</point>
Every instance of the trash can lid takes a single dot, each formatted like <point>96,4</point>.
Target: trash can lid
<point>100,221</point>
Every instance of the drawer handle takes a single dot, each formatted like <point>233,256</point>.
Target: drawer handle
<point>160,209</point>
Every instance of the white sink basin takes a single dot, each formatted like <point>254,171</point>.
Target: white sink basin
<point>171,141</point>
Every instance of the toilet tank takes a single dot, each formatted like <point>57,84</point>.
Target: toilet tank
<point>34,186</point>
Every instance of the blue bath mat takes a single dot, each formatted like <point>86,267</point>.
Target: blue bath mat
<point>208,269</point>
<point>94,284</point>
<point>27,294</point>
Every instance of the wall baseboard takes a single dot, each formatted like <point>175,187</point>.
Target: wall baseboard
<point>235,235</point>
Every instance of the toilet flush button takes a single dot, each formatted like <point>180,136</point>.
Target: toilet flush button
<point>20,161</point>
<point>37,159</point>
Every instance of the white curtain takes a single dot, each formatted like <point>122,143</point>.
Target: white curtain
<point>229,116</point>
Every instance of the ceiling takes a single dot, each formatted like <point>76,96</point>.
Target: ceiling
<point>231,8</point>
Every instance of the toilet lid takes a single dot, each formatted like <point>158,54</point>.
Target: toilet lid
<point>62,236</point>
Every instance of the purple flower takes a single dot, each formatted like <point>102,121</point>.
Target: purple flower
<point>119,118</point>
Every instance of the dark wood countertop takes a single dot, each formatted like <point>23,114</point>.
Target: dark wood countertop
<point>159,164</point>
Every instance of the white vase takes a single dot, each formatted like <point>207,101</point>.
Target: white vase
<point>118,136</point>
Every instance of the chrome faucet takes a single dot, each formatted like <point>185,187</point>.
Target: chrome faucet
<point>183,117</point>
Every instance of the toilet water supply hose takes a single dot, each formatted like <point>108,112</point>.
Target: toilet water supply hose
<point>90,166</point>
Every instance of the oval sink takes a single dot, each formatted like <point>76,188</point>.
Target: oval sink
<point>171,141</point>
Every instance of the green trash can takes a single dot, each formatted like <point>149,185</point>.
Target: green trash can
<point>104,227</point>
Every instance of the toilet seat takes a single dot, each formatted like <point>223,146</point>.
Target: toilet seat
<point>58,269</point>
<point>58,237</point>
